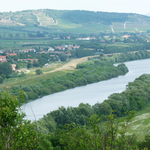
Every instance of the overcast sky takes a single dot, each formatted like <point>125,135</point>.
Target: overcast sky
<point>128,6</point>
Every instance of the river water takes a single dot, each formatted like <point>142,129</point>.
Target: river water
<point>92,93</point>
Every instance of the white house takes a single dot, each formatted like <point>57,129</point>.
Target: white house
<point>51,49</point>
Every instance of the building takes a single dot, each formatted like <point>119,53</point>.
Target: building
<point>32,60</point>
<point>60,47</point>
<point>76,47</point>
<point>11,54</point>
<point>3,59</point>
<point>13,66</point>
<point>93,38</point>
<point>28,60</point>
<point>29,50</point>
<point>126,36</point>
<point>82,38</point>
<point>50,49</point>
<point>21,51</point>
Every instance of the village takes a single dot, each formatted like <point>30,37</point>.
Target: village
<point>27,57</point>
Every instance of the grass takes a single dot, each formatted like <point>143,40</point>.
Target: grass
<point>122,44</point>
<point>140,125</point>
<point>30,79</point>
<point>56,69</point>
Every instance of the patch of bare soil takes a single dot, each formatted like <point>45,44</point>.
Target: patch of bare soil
<point>71,65</point>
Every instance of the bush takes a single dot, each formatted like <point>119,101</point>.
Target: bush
<point>32,95</point>
<point>38,72</point>
<point>1,80</point>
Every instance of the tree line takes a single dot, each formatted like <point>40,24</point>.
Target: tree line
<point>72,128</point>
<point>82,127</point>
<point>86,73</point>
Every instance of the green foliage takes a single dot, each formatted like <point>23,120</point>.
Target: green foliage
<point>145,144</point>
<point>83,53</point>
<point>80,81</point>
<point>122,68</point>
<point>46,125</point>
<point>102,108</point>
<point>45,143</point>
<point>110,135</point>
<point>29,65</point>
<point>1,80</point>
<point>63,58</point>
<point>78,115</point>
<point>3,76</point>
<point>38,71</point>
<point>35,64</point>
<point>69,84</point>
<point>5,68</point>
<point>16,133</point>
<point>32,95</point>
<point>134,98</point>
<point>88,72</point>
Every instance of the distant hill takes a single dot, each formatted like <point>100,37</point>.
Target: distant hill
<point>148,14</point>
<point>74,20</point>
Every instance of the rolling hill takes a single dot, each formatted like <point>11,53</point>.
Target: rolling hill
<point>75,21</point>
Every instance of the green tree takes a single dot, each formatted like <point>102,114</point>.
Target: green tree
<point>15,132</point>
<point>1,79</point>
<point>10,35</point>
<point>63,58</point>
<point>38,71</point>
<point>3,76</point>
<point>29,65</point>
<point>106,136</point>
<point>5,68</point>
<point>35,64</point>
<point>17,66</point>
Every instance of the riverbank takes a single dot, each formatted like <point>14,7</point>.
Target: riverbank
<point>93,71</point>
<point>91,94</point>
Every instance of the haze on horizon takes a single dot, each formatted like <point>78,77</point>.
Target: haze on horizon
<point>122,6</point>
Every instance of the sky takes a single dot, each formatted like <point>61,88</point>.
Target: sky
<point>125,6</point>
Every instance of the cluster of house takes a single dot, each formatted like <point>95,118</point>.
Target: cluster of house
<point>50,49</point>
<point>126,36</point>
<point>4,58</point>
<point>104,37</point>
<point>87,38</point>
<point>27,50</point>
<point>68,47</point>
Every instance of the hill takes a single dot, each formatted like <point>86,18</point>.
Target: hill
<point>148,14</point>
<point>75,21</point>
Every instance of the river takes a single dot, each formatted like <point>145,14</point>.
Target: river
<point>92,93</point>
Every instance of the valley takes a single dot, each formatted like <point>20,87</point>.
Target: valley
<point>59,66</point>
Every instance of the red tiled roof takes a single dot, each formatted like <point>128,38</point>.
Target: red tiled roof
<point>2,56</point>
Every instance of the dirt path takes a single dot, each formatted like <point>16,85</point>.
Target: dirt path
<point>71,65</point>
<point>38,19</point>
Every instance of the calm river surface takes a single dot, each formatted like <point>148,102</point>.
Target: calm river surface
<point>92,93</point>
